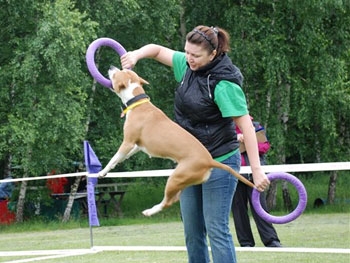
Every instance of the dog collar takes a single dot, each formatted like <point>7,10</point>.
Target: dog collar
<point>137,102</point>
<point>135,99</point>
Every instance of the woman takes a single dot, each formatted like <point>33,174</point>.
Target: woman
<point>208,101</point>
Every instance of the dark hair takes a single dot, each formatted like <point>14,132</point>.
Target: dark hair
<point>211,38</point>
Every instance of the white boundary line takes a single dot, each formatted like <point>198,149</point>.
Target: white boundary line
<point>97,249</point>
<point>240,249</point>
<point>45,254</point>
<point>44,258</point>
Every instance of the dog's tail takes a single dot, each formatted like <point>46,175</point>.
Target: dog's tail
<point>233,172</point>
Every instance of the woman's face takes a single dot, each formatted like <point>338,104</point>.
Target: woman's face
<point>197,56</point>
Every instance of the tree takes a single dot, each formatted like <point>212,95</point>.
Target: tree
<point>46,84</point>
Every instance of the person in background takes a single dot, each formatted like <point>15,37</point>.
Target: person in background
<point>56,185</point>
<point>6,189</point>
<point>208,101</point>
<point>243,195</point>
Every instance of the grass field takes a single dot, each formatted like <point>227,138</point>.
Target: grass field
<point>308,231</point>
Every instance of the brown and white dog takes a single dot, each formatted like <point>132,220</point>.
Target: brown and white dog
<point>148,129</point>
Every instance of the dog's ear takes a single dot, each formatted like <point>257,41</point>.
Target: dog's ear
<point>142,81</point>
<point>125,83</point>
<point>119,85</point>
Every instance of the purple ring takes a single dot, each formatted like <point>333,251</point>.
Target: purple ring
<point>289,217</point>
<point>90,58</point>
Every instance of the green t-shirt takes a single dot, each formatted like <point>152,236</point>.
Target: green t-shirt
<point>227,95</point>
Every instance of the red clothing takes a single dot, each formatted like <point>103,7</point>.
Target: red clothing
<point>263,147</point>
<point>57,185</point>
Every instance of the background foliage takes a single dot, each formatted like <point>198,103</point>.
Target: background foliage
<point>294,56</point>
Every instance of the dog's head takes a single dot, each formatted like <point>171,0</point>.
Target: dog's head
<point>124,82</point>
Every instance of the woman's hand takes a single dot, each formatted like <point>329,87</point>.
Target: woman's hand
<point>260,179</point>
<point>129,59</point>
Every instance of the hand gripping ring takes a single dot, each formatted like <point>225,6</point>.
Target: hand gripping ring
<point>295,213</point>
<point>90,58</point>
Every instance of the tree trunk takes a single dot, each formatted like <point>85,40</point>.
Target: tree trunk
<point>183,30</point>
<point>272,192</point>
<point>283,110</point>
<point>284,118</point>
<point>70,203</point>
<point>271,196</point>
<point>332,187</point>
<point>286,196</point>
<point>20,202</point>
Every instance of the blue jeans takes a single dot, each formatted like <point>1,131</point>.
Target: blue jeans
<point>205,210</point>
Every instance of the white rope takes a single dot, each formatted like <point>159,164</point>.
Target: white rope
<point>44,177</point>
<point>306,167</point>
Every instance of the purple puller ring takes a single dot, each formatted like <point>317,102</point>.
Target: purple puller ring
<point>291,216</point>
<point>90,58</point>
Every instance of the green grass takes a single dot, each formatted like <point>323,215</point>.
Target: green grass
<point>310,230</point>
<point>324,227</point>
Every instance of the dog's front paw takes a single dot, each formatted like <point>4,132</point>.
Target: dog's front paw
<point>101,174</point>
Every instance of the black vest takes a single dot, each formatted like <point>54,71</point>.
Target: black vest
<point>196,111</point>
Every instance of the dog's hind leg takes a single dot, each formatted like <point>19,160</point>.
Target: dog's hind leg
<point>172,192</point>
<point>164,204</point>
<point>154,210</point>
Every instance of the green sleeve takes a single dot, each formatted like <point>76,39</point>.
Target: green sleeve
<point>179,65</point>
<point>230,99</point>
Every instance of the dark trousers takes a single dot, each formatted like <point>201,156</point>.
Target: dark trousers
<point>241,218</point>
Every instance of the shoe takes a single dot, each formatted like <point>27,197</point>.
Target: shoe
<point>274,244</point>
